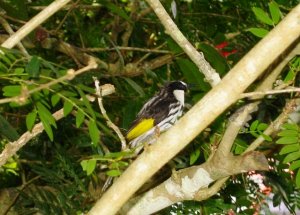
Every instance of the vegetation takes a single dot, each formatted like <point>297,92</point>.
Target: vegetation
<point>59,145</point>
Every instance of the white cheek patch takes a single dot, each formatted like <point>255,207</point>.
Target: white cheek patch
<point>179,95</point>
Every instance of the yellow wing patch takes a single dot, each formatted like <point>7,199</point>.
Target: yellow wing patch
<point>140,128</point>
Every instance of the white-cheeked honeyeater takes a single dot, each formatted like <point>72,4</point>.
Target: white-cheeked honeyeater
<point>157,115</point>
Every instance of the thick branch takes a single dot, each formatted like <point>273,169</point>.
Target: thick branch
<point>185,184</point>
<point>213,104</point>
<point>33,23</point>
<point>197,57</point>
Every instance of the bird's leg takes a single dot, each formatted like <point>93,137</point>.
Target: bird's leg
<point>157,132</point>
<point>175,176</point>
<point>155,136</point>
<point>146,146</point>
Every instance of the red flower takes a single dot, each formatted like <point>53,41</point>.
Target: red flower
<point>222,45</point>
<point>224,53</point>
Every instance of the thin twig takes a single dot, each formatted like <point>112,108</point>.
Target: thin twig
<point>11,148</point>
<point>289,108</point>
<point>68,7</point>
<point>269,92</point>
<point>126,49</point>
<point>108,121</point>
<point>17,196</point>
<point>25,93</point>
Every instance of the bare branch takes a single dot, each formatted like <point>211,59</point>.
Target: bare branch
<point>197,57</point>
<point>9,30</point>
<point>108,121</point>
<point>270,92</point>
<point>33,23</point>
<point>127,49</point>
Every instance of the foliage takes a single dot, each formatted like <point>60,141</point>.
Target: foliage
<point>69,162</point>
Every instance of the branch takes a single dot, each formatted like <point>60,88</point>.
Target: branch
<point>289,108</point>
<point>127,49</point>
<point>12,147</point>
<point>197,57</point>
<point>270,92</point>
<point>25,93</point>
<point>186,183</point>
<point>193,122</point>
<point>108,121</point>
<point>33,23</point>
<point>9,30</point>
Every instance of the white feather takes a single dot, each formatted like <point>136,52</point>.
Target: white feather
<point>179,95</point>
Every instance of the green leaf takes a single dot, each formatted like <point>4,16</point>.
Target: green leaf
<point>68,107</point>
<point>33,67</point>
<point>262,126</point>
<point>289,148</point>
<point>173,46</point>
<point>79,118</point>
<point>86,103</point>
<point>262,16</point>
<point>117,154</point>
<point>288,133</point>
<point>290,126</point>
<point>47,127</point>
<point>94,131</point>
<point>274,11</point>
<point>259,32</point>
<point>19,71</point>
<point>298,179</point>
<point>240,146</point>
<point>7,130</point>
<point>88,166</point>
<point>192,74</point>
<point>115,9</point>
<point>254,125</point>
<point>194,156</point>
<point>55,99</point>
<point>135,86</point>
<point>295,165</point>
<point>266,137</point>
<point>6,60</point>
<point>113,173</point>
<point>291,75</point>
<point>45,114</point>
<point>12,90</point>
<point>216,60</point>
<point>287,140</point>
<point>15,8</point>
<point>30,119</point>
<point>291,157</point>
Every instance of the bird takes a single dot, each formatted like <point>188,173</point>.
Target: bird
<point>157,115</point>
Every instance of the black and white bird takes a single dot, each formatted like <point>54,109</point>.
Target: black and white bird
<point>157,115</point>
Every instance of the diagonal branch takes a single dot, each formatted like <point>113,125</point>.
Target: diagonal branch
<point>202,114</point>
<point>11,148</point>
<point>197,57</point>
<point>25,93</point>
<point>33,23</point>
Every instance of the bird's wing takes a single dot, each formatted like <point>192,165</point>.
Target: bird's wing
<point>152,113</point>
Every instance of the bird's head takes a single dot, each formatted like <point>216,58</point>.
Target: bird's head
<point>177,88</point>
